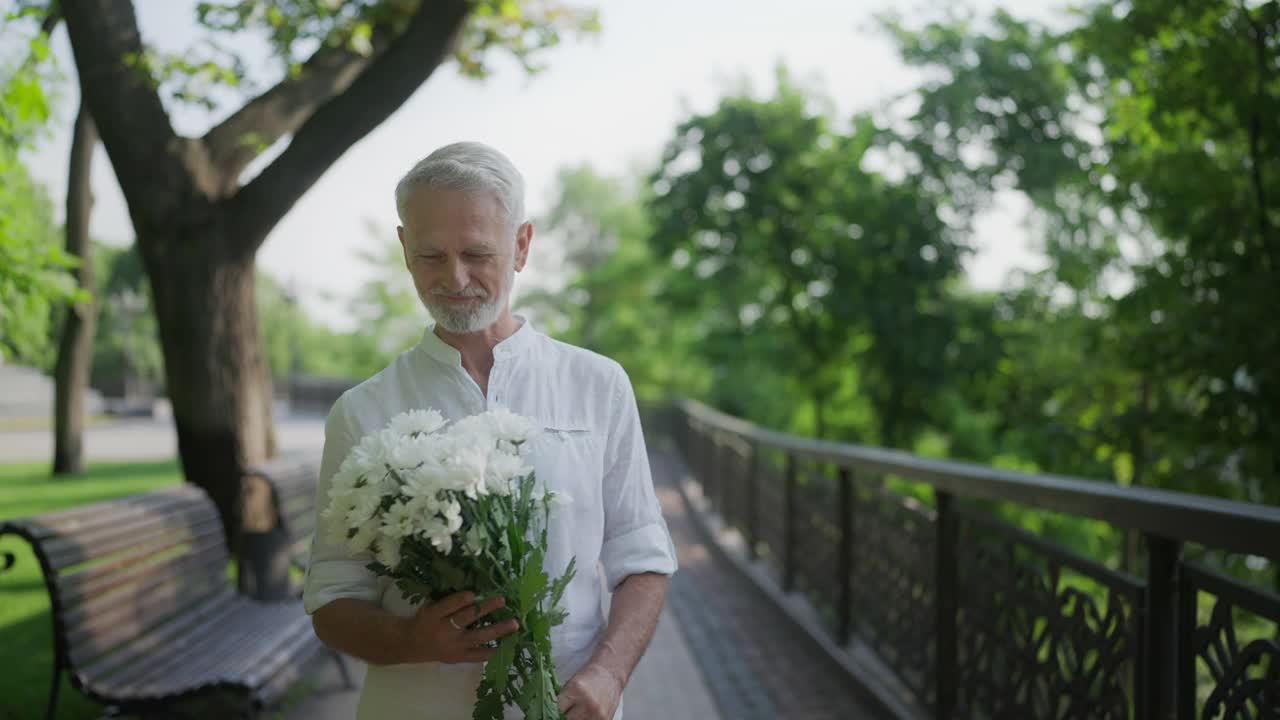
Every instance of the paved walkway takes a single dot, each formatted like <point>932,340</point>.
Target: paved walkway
<point>667,684</point>
<point>756,661</point>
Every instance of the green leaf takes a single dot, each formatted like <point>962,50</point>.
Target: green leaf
<point>449,575</point>
<point>488,704</point>
<point>532,583</point>
<point>415,592</point>
<point>562,582</point>
<point>497,669</point>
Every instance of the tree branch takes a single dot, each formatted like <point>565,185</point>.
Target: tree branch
<point>339,123</point>
<point>51,19</point>
<point>236,141</point>
<point>132,123</point>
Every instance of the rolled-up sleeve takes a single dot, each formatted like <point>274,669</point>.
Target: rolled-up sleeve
<point>636,539</point>
<point>334,571</point>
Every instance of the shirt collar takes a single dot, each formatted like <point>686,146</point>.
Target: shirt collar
<point>518,343</point>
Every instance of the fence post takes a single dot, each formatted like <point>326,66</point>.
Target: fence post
<point>724,465</point>
<point>789,528</point>
<point>845,556</point>
<point>713,463</point>
<point>753,505</point>
<point>946,601</point>
<point>1187,621</point>
<point>1160,656</point>
<point>706,438</point>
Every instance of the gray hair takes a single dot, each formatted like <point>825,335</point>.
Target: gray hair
<point>470,167</point>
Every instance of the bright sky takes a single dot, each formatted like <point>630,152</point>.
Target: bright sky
<point>611,100</point>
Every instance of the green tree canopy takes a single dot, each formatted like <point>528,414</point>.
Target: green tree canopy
<point>794,255</point>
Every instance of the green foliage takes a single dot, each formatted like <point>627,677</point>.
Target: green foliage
<point>1147,352</point>
<point>611,279</point>
<point>791,253</point>
<point>33,265</point>
<point>33,277</point>
<point>212,70</point>
<point>386,310</point>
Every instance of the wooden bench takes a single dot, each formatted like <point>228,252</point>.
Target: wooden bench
<point>143,615</point>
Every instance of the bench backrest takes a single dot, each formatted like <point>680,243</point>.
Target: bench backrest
<point>126,576</point>
<point>293,482</point>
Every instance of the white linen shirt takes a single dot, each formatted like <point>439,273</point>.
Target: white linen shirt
<point>591,447</point>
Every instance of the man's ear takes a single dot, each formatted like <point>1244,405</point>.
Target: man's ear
<point>524,236</point>
<point>404,248</point>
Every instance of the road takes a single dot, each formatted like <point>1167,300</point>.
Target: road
<point>145,439</point>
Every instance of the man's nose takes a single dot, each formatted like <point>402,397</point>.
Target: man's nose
<point>457,274</point>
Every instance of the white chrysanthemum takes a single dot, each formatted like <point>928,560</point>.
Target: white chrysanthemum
<point>510,427</point>
<point>417,421</point>
<point>335,519</point>
<point>339,494</point>
<point>345,479</point>
<point>364,504</point>
<point>464,471</point>
<point>472,431</point>
<point>389,552</point>
<point>388,486</point>
<point>399,521</point>
<point>440,535</point>
<point>423,511</point>
<point>374,450</point>
<point>501,470</point>
<point>363,538</point>
<point>410,452</point>
<point>452,513</point>
<point>425,480</point>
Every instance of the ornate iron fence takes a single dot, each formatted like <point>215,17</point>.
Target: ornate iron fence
<point>981,619</point>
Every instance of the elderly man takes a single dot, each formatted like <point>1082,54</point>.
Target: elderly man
<point>464,238</point>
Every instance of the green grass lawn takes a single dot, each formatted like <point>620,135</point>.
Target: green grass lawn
<point>26,637</point>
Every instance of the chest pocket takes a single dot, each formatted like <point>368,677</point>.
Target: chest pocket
<point>567,456</point>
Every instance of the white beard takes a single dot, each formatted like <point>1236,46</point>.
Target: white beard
<point>466,320</point>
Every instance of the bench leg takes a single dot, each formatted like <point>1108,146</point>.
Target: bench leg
<point>53,694</point>
<point>342,668</point>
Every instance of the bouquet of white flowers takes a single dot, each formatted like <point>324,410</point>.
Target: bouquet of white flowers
<point>449,508</point>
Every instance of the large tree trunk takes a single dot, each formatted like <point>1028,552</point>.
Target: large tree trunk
<point>75,350</point>
<point>216,374</point>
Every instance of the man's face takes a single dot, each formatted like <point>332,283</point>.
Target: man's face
<point>463,259</point>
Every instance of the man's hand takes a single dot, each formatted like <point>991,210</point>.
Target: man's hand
<point>592,694</point>
<point>438,631</point>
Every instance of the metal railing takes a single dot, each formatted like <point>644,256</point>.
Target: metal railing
<point>981,619</point>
